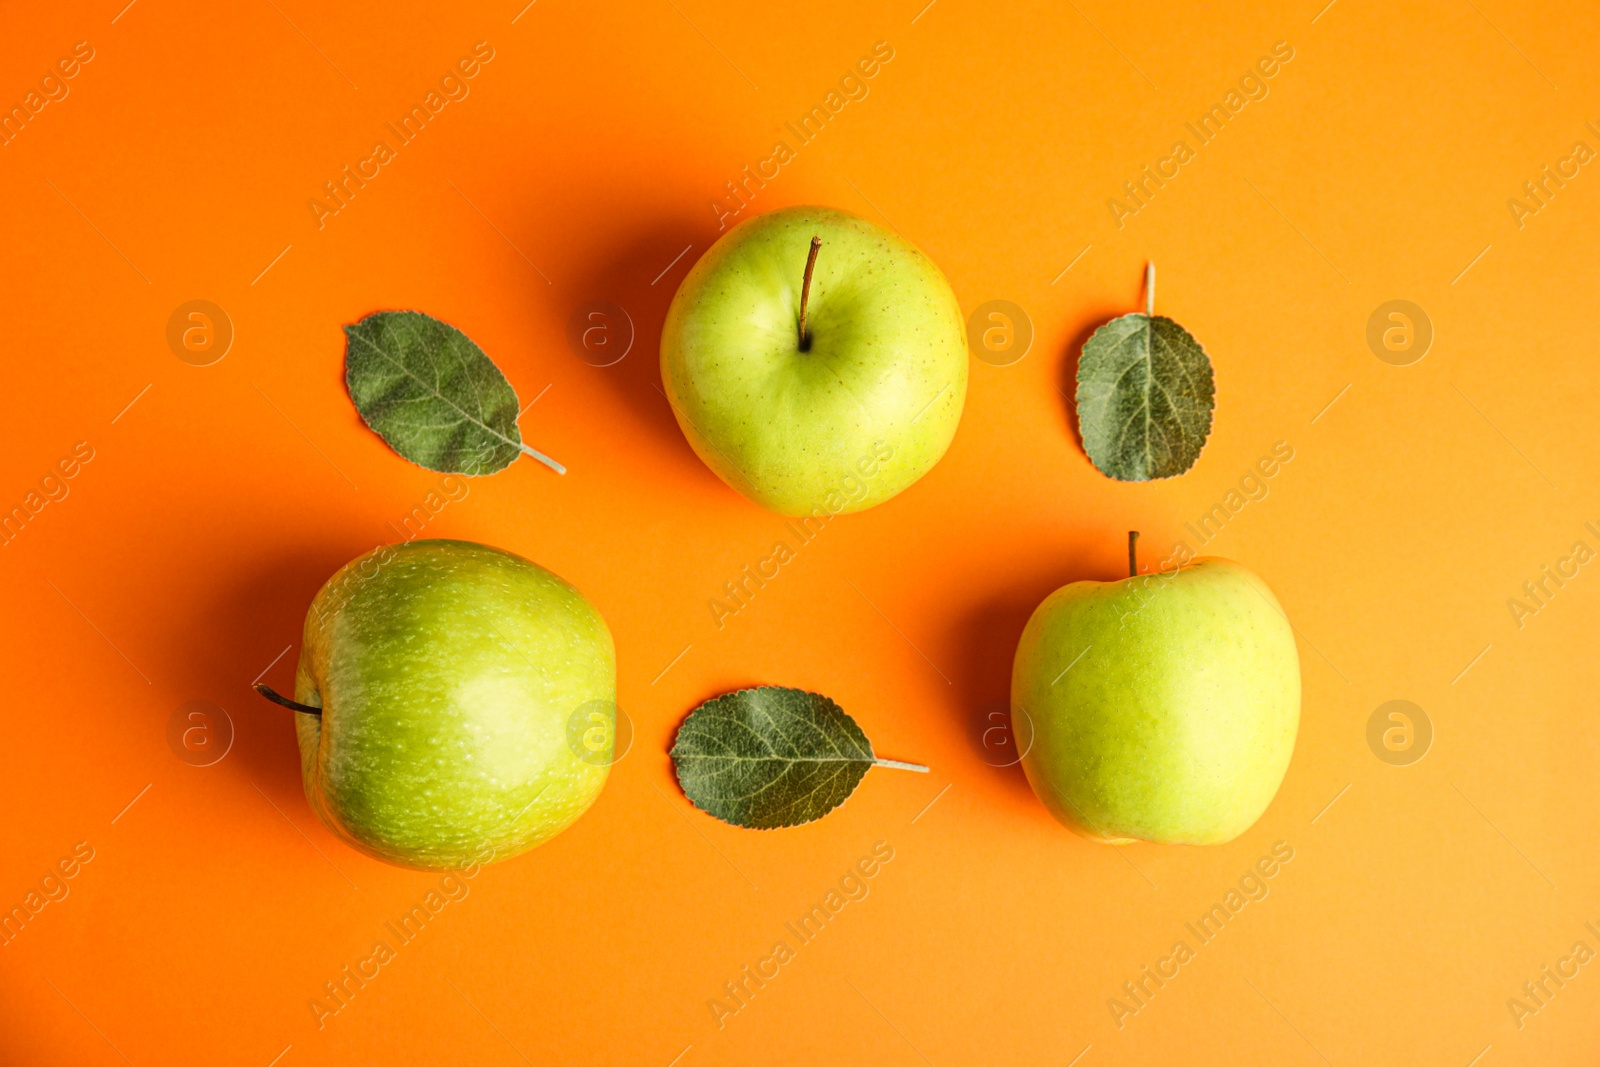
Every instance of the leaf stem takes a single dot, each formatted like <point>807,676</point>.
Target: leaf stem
<point>1150,288</point>
<point>292,705</point>
<point>1133,554</point>
<point>805,294</point>
<point>542,458</point>
<point>900,765</point>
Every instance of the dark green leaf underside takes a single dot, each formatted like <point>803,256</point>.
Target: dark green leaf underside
<point>427,390</point>
<point>1145,397</point>
<point>770,757</point>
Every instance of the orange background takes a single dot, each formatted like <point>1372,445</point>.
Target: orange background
<point>583,161</point>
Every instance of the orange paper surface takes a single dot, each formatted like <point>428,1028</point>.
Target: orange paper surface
<point>1393,153</point>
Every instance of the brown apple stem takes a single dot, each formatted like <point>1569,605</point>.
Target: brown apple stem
<point>292,705</point>
<point>805,294</point>
<point>1133,554</point>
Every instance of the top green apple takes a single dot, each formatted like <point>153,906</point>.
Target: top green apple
<point>846,418</point>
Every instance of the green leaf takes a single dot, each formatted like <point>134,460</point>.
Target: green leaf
<point>432,395</point>
<point>769,757</point>
<point>1145,396</point>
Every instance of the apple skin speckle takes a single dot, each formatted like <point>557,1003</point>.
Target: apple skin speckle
<point>446,675</point>
<point>1162,707</point>
<point>873,403</point>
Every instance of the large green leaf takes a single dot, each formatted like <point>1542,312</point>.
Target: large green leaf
<point>1145,396</point>
<point>769,757</point>
<point>427,390</point>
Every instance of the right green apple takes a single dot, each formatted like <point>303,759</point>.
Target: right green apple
<point>1162,707</point>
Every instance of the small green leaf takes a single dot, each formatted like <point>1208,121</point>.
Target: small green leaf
<point>432,395</point>
<point>1145,396</point>
<point>769,757</point>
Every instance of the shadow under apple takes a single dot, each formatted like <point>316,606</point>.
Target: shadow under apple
<point>237,635</point>
<point>984,641</point>
<point>623,275</point>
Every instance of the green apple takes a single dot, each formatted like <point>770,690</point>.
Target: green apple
<point>842,412</point>
<point>1162,707</point>
<point>447,674</point>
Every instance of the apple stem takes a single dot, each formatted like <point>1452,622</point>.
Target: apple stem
<point>900,765</point>
<point>805,294</point>
<point>1150,289</point>
<point>292,705</point>
<point>1133,554</point>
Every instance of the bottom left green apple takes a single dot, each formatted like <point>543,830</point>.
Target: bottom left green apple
<point>447,674</point>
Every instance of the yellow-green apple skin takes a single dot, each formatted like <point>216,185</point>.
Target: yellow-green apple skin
<point>866,411</point>
<point>446,672</point>
<point>1162,707</point>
